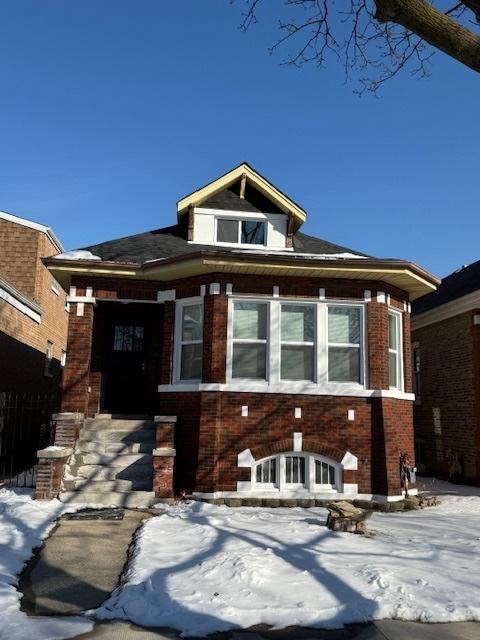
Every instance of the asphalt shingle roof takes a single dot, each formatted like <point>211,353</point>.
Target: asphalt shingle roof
<point>457,284</point>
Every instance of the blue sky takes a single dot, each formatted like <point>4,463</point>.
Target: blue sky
<point>111,111</point>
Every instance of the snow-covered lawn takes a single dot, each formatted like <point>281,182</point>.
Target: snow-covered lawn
<point>202,568</point>
<point>24,523</point>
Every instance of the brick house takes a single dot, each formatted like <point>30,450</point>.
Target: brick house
<point>446,354</point>
<point>284,359</point>
<point>33,315</point>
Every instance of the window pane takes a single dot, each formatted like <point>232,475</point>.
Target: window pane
<point>294,470</point>
<point>344,364</point>
<point>227,230</point>
<point>297,363</point>
<point>250,321</point>
<point>191,362</point>
<point>392,369</point>
<point>298,323</point>
<point>324,473</point>
<point>344,325</point>
<point>392,331</point>
<point>266,472</point>
<point>249,361</point>
<point>253,232</point>
<point>192,323</point>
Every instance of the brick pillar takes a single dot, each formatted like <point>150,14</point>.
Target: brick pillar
<point>215,318</point>
<point>51,463</point>
<point>164,458</point>
<point>207,478</point>
<point>377,329</point>
<point>79,351</point>
<point>67,428</point>
<point>167,342</point>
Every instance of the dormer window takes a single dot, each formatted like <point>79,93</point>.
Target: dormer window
<point>251,232</point>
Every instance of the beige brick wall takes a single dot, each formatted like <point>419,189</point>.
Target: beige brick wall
<point>21,265</point>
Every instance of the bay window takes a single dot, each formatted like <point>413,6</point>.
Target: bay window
<point>191,342</point>
<point>395,364</point>
<point>297,342</point>
<point>303,343</point>
<point>249,352</point>
<point>344,344</point>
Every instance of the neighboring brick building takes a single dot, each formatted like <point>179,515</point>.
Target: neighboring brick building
<point>284,358</point>
<point>33,315</point>
<point>446,353</point>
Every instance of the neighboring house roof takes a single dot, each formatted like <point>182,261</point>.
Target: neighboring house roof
<point>33,225</point>
<point>252,178</point>
<point>168,242</point>
<point>456,285</point>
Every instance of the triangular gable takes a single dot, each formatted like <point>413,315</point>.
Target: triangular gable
<point>251,178</point>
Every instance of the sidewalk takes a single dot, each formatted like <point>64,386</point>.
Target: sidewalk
<point>380,630</point>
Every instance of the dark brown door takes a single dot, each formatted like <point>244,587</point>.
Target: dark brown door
<point>125,368</point>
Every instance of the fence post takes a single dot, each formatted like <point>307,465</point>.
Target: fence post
<point>164,458</point>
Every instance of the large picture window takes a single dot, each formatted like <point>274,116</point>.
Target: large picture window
<point>191,342</point>
<point>297,342</point>
<point>249,354</point>
<point>344,341</point>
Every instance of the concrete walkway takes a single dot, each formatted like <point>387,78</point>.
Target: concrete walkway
<point>381,630</point>
<point>79,565</point>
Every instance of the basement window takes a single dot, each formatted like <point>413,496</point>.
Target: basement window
<point>297,472</point>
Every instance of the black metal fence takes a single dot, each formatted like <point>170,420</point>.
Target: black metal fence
<point>25,427</point>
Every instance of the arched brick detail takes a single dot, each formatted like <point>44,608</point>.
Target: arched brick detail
<point>309,445</point>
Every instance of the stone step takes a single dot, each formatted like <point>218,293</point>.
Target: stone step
<point>117,435</point>
<point>96,446</point>
<point>137,473</point>
<point>110,498</point>
<point>101,424</point>
<point>100,485</point>
<point>112,459</point>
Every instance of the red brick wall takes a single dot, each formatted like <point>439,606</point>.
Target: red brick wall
<point>79,348</point>
<point>448,376</point>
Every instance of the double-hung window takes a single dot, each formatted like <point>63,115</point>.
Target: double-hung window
<point>395,350</point>
<point>344,344</point>
<point>191,342</point>
<point>249,348</point>
<point>297,342</point>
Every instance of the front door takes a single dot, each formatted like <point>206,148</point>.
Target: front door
<point>125,366</point>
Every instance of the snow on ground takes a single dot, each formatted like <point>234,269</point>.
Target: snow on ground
<point>202,568</point>
<point>24,523</point>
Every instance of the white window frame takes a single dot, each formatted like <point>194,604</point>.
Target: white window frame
<point>239,242</point>
<point>398,351</point>
<point>313,343</point>
<point>320,347</point>
<point>360,346</point>
<point>54,285</point>
<point>310,485</point>
<point>266,341</point>
<point>177,368</point>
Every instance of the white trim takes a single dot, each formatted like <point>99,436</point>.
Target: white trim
<point>245,411</point>
<point>276,291</point>
<point>245,458</point>
<point>18,301</point>
<point>399,349</point>
<point>465,303</point>
<point>367,295</point>
<point>34,225</point>
<point>351,415</point>
<point>229,288</point>
<point>349,462</point>
<point>298,412</point>
<point>381,297</point>
<point>321,293</point>
<point>297,441</point>
<point>285,388</point>
<point>84,299</point>
<point>167,295</point>
<point>80,308</point>
<point>476,319</point>
<point>214,288</point>
<point>276,495</point>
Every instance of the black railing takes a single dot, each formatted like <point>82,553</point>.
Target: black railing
<point>25,427</point>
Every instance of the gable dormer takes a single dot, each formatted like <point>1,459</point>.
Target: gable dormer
<point>241,209</point>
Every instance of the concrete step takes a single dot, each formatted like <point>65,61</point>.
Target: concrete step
<point>112,459</point>
<point>130,499</point>
<point>100,485</point>
<point>101,424</point>
<point>137,473</point>
<point>120,416</point>
<point>117,435</point>
<point>103,447</point>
